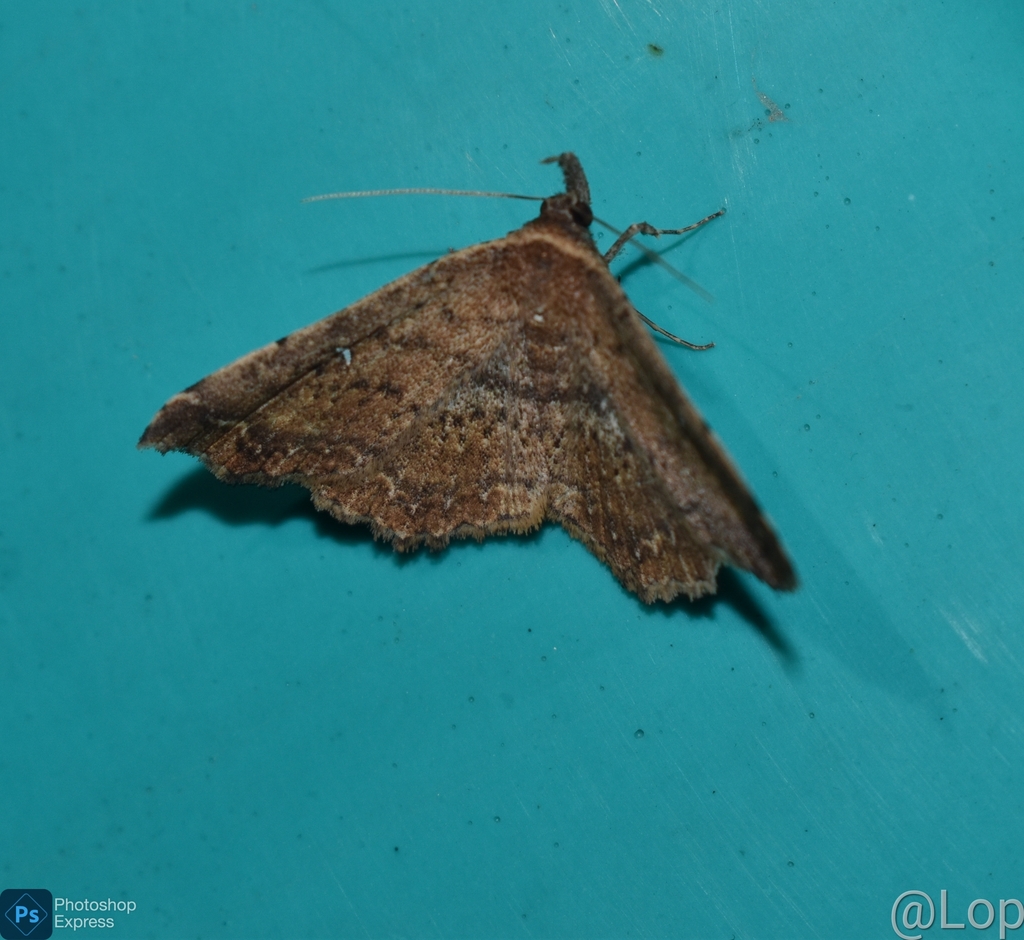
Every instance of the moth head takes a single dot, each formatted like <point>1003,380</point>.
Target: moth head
<point>566,208</point>
<point>574,203</point>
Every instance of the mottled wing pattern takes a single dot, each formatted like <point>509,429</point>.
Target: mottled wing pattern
<point>608,433</point>
<point>501,385</point>
<point>314,366</point>
<point>396,411</point>
<point>689,484</point>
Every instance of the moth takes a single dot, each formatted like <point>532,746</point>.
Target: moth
<point>503,385</point>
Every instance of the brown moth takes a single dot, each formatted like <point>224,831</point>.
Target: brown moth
<point>500,386</point>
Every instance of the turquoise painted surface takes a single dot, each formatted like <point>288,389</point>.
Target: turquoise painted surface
<point>255,723</point>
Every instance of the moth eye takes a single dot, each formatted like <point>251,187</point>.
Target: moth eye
<point>582,214</point>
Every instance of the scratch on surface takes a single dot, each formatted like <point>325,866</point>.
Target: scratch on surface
<point>187,278</point>
<point>562,52</point>
<point>348,900</point>
<point>873,531</point>
<point>732,42</point>
<point>968,640</point>
<point>97,274</point>
<point>610,13</point>
<point>821,610</point>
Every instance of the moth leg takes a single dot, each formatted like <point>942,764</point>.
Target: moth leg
<point>672,336</point>
<point>645,228</point>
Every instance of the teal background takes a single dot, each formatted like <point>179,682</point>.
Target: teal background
<point>257,723</point>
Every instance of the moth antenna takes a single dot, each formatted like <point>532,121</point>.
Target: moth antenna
<point>420,191</point>
<point>572,170</point>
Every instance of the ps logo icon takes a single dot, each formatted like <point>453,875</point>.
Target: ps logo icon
<point>26,912</point>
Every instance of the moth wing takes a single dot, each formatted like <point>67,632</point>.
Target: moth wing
<point>394,411</point>
<point>501,385</point>
<point>605,493</point>
<point>643,442</point>
<point>356,360</point>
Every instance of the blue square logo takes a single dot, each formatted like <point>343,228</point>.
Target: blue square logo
<point>26,912</point>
